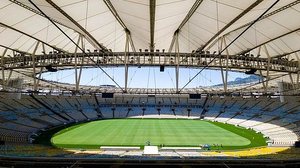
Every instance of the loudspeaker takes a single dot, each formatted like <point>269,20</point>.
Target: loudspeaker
<point>297,144</point>
<point>107,95</point>
<point>2,143</point>
<point>251,71</point>
<point>195,96</point>
<point>50,68</point>
<point>162,68</point>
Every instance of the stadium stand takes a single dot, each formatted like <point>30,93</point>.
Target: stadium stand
<point>277,121</point>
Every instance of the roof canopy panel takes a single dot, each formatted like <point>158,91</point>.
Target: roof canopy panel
<point>169,15</point>
<point>257,11</point>
<point>55,13</point>
<point>95,17</point>
<point>136,16</point>
<point>23,25</point>
<point>266,31</point>
<point>211,17</point>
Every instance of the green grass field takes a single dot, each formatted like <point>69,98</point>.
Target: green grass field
<point>170,132</point>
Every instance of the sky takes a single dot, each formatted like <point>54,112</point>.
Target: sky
<point>144,77</point>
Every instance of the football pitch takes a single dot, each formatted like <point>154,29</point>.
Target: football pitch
<point>169,132</point>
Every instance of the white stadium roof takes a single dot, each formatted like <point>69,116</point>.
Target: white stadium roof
<point>268,28</point>
<point>22,24</point>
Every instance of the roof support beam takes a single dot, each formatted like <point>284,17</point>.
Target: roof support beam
<point>273,39</point>
<point>226,47</point>
<point>2,67</point>
<point>152,23</point>
<point>19,31</point>
<point>33,10</point>
<point>82,50</point>
<point>230,23</point>
<point>187,17</point>
<point>15,50</point>
<point>263,17</point>
<point>87,35</point>
<point>190,14</point>
<point>285,54</point>
<point>118,18</point>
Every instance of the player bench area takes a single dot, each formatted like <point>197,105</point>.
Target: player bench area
<point>130,148</point>
<point>117,148</point>
<point>180,148</point>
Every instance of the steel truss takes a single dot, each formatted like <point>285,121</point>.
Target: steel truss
<point>61,60</point>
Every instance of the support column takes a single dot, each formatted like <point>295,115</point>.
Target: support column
<point>42,68</point>
<point>222,74</point>
<point>131,42</point>
<point>297,80</point>
<point>263,82</point>
<point>226,72</point>
<point>268,68</point>
<point>40,75</point>
<point>220,63</point>
<point>298,73</point>
<point>2,69</point>
<point>80,72</point>
<point>260,72</point>
<point>76,71</point>
<point>292,80</point>
<point>224,79</point>
<point>9,76</point>
<point>126,60</point>
<point>35,87</point>
<point>177,62</point>
<point>82,59</point>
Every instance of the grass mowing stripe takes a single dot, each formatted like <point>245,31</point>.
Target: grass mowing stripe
<point>256,139</point>
<point>135,132</point>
